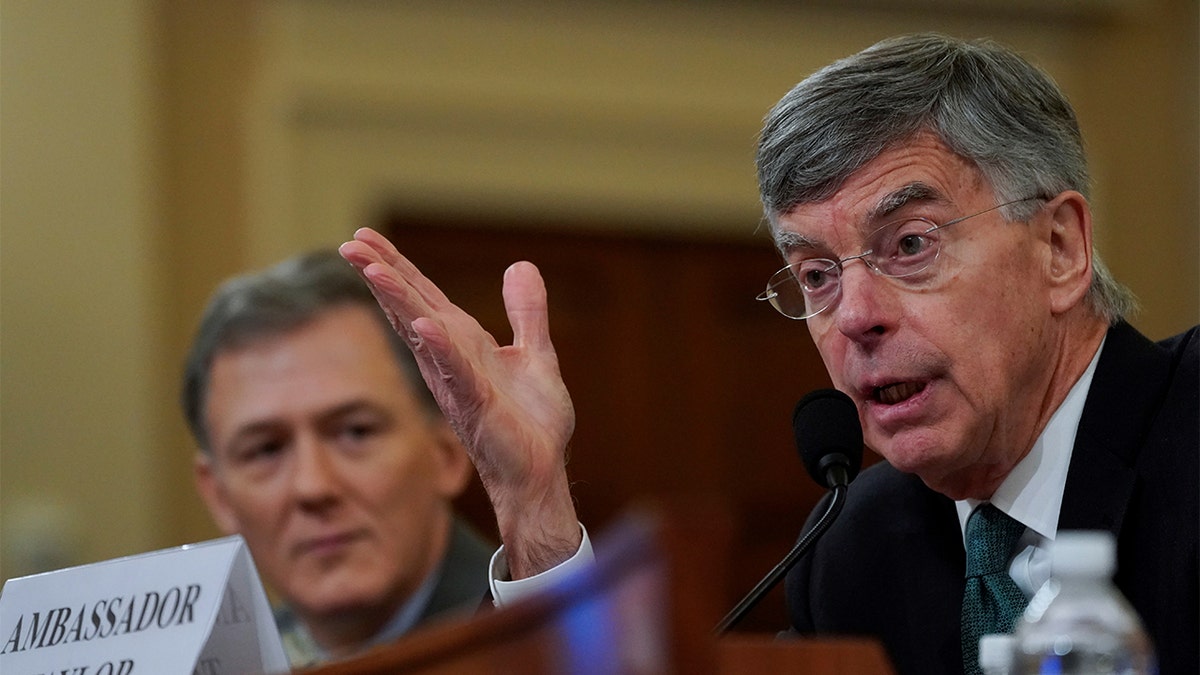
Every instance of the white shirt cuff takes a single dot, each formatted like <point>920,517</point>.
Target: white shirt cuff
<point>508,592</point>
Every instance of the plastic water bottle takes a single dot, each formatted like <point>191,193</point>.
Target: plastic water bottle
<point>1078,623</point>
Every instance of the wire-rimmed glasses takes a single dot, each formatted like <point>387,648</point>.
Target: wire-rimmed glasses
<point>901,249</point>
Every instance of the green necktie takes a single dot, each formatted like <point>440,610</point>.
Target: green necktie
<point>992,603</point>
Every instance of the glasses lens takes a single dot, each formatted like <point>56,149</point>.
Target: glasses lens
<point>818,281</point>
<point>782,293</point>
<point>803,288</point>
<point>905,247</point>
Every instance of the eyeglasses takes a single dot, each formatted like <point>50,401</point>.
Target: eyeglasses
<point>902,249</point>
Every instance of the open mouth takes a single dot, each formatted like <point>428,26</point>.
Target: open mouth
<point>897,392</point>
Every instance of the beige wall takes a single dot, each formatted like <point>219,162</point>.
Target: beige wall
<point>151,148</point>
<point>81,343</point>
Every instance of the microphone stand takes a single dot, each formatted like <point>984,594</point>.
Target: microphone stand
<point>768,582</point>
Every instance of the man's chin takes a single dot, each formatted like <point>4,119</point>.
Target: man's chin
<point>330,597</point>
<point>327,610</point>
<point>925,460</point>
<point>938,474</point>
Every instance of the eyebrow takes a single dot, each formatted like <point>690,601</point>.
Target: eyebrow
<point>268,425</point>
<point>786,241</point>
<point>899,198</point>
<point>887,205</point>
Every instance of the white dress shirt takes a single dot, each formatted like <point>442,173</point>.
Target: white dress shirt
<point>506,592</point>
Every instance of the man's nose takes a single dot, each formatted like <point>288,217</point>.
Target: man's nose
<point>865,306</point>
<point>314,476</point>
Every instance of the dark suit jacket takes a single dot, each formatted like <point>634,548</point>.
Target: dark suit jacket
<point>464,576</point>
<point>892,565</point>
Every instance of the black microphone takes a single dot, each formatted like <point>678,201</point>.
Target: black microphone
<point>829,439</point>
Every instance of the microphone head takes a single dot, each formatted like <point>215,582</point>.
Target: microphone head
<point>828,435</point>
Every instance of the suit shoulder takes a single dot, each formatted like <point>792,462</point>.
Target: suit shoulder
<point>881,490</point>
<point>1187,343</point>
<point>1185,355</point>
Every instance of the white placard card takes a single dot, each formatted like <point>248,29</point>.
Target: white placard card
<point>198,609</point>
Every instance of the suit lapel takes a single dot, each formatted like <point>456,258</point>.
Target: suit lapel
<point>1126,390</point>
<point>932,580</point>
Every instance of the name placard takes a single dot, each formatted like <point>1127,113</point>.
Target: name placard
<point>198,609</point>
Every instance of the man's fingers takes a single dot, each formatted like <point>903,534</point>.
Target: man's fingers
<point>370,246</point>
<point>450,376</point>
<point>402,291</point>
<point>379,244</point>
<point>526,305</point>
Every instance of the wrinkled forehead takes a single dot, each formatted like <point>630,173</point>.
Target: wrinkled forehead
<point>790,235</point>
<point>923,177</point>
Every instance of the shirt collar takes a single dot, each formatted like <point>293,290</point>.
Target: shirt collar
<point>410,612</point>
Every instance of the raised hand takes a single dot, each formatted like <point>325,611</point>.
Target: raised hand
<point>508,404</point>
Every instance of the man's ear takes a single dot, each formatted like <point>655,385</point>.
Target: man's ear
<point>1069,269</point>
<point>453,465</point>
<point>212,491</point>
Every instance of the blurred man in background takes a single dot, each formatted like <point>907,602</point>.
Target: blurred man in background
<point>320,445</point>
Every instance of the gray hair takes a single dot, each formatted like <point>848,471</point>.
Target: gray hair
<point>275,302</point>
<point>985,102</point>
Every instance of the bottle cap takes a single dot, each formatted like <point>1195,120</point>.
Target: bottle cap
<point>996,652</point>
<point>1089,553</point>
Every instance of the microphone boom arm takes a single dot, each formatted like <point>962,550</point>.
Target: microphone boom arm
<point>775,575</point>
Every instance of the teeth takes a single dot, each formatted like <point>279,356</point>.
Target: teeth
<point>894,393</point>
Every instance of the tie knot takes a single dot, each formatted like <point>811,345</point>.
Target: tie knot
<point>991,536</point>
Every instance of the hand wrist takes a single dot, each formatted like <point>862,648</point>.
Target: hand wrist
<point>538,531</point>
